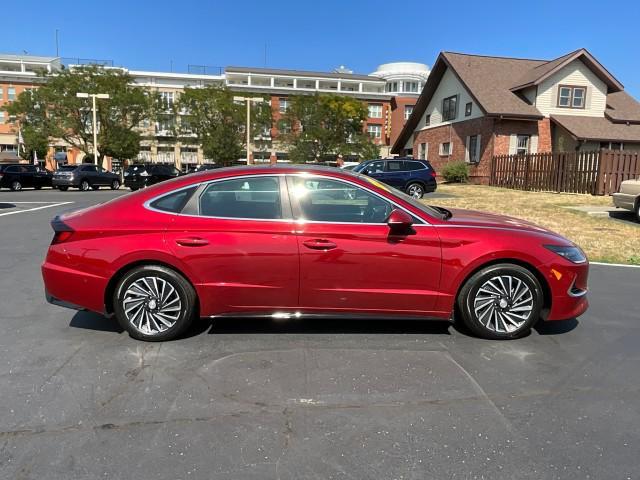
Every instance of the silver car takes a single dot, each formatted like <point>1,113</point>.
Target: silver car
<point>629,197</point>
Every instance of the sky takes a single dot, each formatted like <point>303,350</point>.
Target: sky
<point>322,35</point>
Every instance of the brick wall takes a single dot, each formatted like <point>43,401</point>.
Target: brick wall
<point>397,115</point>
<point>457,134</point>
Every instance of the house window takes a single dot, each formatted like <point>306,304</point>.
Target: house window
<point>522,144</point>
<point>467,109</point>
<point>408,110</point>
<point>422,151</point>
<point>374,131</point>
<point>11,93</point>
<point>473,149</point>
<point>411,87</point>
<point>375,110</point>
<point>427,120</point>
<point>571,97</point>
<point>612,145</point>
<point>445,149</point>
<point>284,127</point>
<point>166,100</point>
<point>449,108</point>
<point>284,104</point>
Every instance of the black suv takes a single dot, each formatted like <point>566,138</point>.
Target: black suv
<point>18,176</point>
<point>141,175</point>
<point>413,176</point>
<point>84,177</point>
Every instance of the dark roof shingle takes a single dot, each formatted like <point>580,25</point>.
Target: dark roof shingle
<point>597,128</point>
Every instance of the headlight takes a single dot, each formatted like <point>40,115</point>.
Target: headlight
<point>573,254</point>
<point>145,174</point>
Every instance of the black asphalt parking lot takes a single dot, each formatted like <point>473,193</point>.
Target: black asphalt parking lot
<point>258,399</point>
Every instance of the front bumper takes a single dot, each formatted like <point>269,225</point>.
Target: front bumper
<point>568,288</point>
<point>135,182</point>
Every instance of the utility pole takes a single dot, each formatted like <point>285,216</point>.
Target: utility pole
<point>95,121</point>
<point>248,126</point>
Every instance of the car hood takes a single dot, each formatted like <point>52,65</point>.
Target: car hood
<point>472,218</point>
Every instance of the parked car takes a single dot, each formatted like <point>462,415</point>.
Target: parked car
<point>629,196</point>
<point>84,176</point>
<point>205,166</point>
<point>415,177</point>
<point>18,176</point>
<point>141,175</point>
<point>295,241</point>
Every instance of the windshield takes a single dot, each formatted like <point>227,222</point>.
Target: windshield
<point>428,209</point>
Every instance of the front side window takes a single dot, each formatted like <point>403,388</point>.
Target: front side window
<point>375,167</point>
<point>408,110</point>
<point>250,198</point>
<point>571,97</point>
<point>375,131</point>
<point>325,200</point>
<point>522,145</point>
<point>375,110</point>
<point>449,108</point>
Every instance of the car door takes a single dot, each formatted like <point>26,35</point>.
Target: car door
<point>375,170</point>
<point>350,260</point>
<point>26,176</point>
<point>102,177</point>
<point>395,174</point>
<point>238,241</point>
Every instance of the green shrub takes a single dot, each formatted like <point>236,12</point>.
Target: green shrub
<point>456,172</point>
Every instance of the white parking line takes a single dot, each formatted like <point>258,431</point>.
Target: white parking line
<point>615,265</point>
<point>33,209</point>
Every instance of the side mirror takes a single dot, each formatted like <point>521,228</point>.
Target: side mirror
<point>399,220</point>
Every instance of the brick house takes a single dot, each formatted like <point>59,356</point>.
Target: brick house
<point>473,107</point>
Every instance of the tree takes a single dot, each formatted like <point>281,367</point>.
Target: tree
<point>325,126</point>
<point>219,122</point>
<point>55,112</point>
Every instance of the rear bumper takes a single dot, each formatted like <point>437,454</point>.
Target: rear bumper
<point>61,303</point>
<point>63,182</point>
<point>624,200</point>
<point>72,288</point>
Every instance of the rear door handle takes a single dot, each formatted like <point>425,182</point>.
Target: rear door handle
<point>192,242</point>
<point>319,244</point>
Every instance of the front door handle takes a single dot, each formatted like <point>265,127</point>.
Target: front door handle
<point>192,242</point>
<point>319,244</point>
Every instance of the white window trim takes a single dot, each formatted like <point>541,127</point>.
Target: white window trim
<point>375,108</point>
<point>467,154</point>
<point>441,151</point>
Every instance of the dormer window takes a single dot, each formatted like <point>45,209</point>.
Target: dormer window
<point>571,97</point>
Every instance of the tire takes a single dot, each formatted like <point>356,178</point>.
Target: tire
<point>133,189</point>
<point>62,188</point>
<point>143,321</point>
<point>415,190</point>
<point>16,186</point>
<point>85,185</point>
<point>486,302</point>
<point>115,185</point>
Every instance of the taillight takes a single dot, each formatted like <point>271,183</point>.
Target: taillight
<point>63,232</point>
<point>433,173</point>
<point>61,237</point>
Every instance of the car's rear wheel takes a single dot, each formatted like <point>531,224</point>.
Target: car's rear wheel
<point>133,189</point>
<point>501,302</point>
<point>16,186</point>
<point>62,188</point>
<point>415,190</point>
<point>85,185</point>
<point>154,303</point>
<point>115,185</point>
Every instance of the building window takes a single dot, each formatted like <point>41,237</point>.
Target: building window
<point>284,127</point>
<point>473,149</point>
<point>422,151</point>
<point>11,93</point>
<point>1,94</point>
<point>571,97</point>
<point>427,120</point>
<point>522,145</point>
<point>2,117</point>
<point>375,110</point>
<point>411,87</point>
<point>450,108</point>
<point>445,149</point>
<point>166,100</point>
<point>408,110</point>
<point>374,131</point>
<point>467,109</point>
<point>284,105</point>
<point>391,87</point>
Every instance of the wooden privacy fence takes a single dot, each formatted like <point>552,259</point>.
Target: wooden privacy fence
<point>598,173</point>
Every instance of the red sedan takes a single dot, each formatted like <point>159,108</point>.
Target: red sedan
<point>293,241</point>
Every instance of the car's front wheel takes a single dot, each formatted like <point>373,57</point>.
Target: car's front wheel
<point>154,303</point>
<point>501,302</point>
<point>16,186</point>
<point>85,185</point>
<point>415,190</point>
<point>115,185</point>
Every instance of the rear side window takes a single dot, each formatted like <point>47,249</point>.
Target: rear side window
<point>250,198</point>
<point>12,169</point>
<point>414,166</point>
<point>173,202</point>
<point>394,166</point>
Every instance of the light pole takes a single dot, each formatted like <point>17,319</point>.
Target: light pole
<point>94,122</point>
<point>249,100</point>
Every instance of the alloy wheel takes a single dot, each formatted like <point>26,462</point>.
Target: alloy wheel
<point>16,186</point>
<point>415,191</point>
<point>503,304</point>
<point>151,305</point>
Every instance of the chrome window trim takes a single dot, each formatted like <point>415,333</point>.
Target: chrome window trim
<point>147,204</point>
